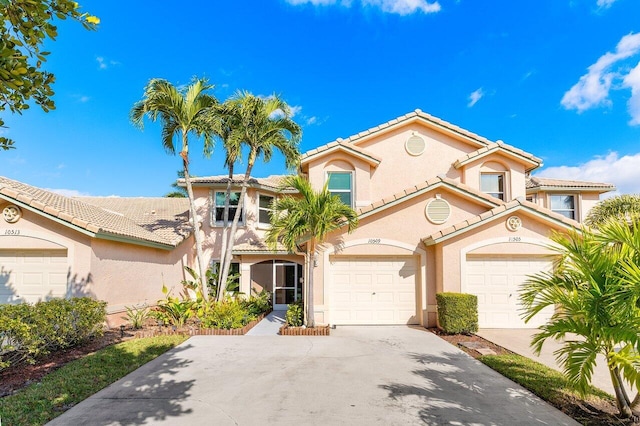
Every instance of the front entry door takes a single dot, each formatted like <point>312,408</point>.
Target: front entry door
<point>287,287</point>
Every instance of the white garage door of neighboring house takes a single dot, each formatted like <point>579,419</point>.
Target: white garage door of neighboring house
<point>373,290</point>
<point>32,275</point>
<point>496,281</point>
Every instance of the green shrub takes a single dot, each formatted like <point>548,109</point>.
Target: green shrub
<point>258,304</point>
<point>29,331</point>
<point>294,315</point>
<point>227,314</point>
<point>174,311</point>
<point>457,312</point>
<point>137,316</point>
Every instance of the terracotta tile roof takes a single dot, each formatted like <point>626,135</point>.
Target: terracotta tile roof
<point>470,136</point>
<point>166,217</point>
<point>499,146</point>
<point>98,219</point>
<point>257,246</point>
<point>425,187</point>
<point>499,211</point>
<point>534,182</point>
<point>270,182</point>
<point>340,145</point>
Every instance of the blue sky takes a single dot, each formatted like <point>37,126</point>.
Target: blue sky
<point>557,78</point>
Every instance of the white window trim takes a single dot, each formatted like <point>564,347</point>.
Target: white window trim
<point>353,189</point>
<point>506,196</point>
<point>262,225</point>
<point>212,220</point>
<point>577,201</point>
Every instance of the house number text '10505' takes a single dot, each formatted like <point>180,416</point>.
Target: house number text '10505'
<point>374,240</point>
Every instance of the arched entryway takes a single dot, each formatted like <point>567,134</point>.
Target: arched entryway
<point>282,278</point>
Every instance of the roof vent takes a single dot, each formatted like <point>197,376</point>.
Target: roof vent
<point>415,145</point>
<point>438,211</point>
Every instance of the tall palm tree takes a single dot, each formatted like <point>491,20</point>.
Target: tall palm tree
<point>262,125</point>
<point>596,300</point>
<point>181,111</point>
<point>309,216</point>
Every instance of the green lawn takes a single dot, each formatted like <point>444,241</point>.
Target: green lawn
<point>545,382</point>
<point>79,379</point>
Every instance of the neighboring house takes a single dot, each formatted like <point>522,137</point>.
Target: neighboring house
<point>440,209</point>
<point>120,250</point>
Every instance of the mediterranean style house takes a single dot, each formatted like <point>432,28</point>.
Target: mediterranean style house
<point>440,209</point>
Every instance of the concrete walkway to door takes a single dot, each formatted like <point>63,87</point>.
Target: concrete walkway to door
<point>519,341</point>
<point>356,376</point>
<point>269,326</point>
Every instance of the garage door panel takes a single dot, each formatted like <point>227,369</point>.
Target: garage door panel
<point>33,275</point>
<point>498,301</point>
<point>382,291</point>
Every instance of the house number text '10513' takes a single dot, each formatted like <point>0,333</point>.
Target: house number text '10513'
<point>374,240</point>
<point>11,232</point>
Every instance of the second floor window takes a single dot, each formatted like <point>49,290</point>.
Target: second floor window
<point>492,184</point>
<point>340,184</point>
<point>264,209</point>
<point>218,208</point>
<point>564,204</point>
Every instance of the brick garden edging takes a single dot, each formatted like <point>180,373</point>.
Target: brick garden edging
<point>196,331</point>
<point>285,330</point>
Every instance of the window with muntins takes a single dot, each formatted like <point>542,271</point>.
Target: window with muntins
<point>218,209</point>
<point>564,204</point>
<point>264,209</point>
<point>492,184</point>
<point>340,184</point>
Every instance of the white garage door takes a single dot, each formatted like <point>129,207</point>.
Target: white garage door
<point>496,281</point>
<point>32,275</point>
<point>373,290</point>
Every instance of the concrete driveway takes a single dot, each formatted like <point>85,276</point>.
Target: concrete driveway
<point>357,376</point>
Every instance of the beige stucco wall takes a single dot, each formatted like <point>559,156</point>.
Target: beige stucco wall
<point>496,162</point>
<point>33,231</point>
<point>398,230</point>
<point>491,238</point>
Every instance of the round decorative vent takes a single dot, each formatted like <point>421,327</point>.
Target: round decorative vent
<point>438,211</point>
<point>11,213</point>
<point>415,145</point>
<point>514,223</point>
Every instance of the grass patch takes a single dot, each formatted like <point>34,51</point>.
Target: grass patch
<point>547,383</point>
<point>79,379</point>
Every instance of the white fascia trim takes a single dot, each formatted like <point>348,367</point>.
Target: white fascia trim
<point>499,149</point>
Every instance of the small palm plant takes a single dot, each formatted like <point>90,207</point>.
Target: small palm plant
<point>595,289</point>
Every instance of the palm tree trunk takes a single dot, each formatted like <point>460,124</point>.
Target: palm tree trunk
<point>621,400</point>
<point>194,220</point>
<point>225,230</point>
<point>234,225</point>
<point>308,297</point>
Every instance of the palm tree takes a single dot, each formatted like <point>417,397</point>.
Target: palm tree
<point>262,125</point>
<point>181,111</point>
<point>178,191</point>
<point>622,207</point>
<point>595,301</point>
<point>309,216</point>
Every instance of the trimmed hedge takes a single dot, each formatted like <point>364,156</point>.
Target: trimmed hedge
<point>31,331</point>
<point>457,312</point>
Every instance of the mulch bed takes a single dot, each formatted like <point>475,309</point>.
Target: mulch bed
<point>601,413</point>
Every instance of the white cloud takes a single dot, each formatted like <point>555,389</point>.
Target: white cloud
<point>593,88</point>
<point>103,63</point>
<point>295,109</point>
<point>312,120</point>
<point>399,7</point>
<point>68,192</point>
<point>605,4</point>
<point>623,172</point>
<point>632,81</point>
<point>475,96</point>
